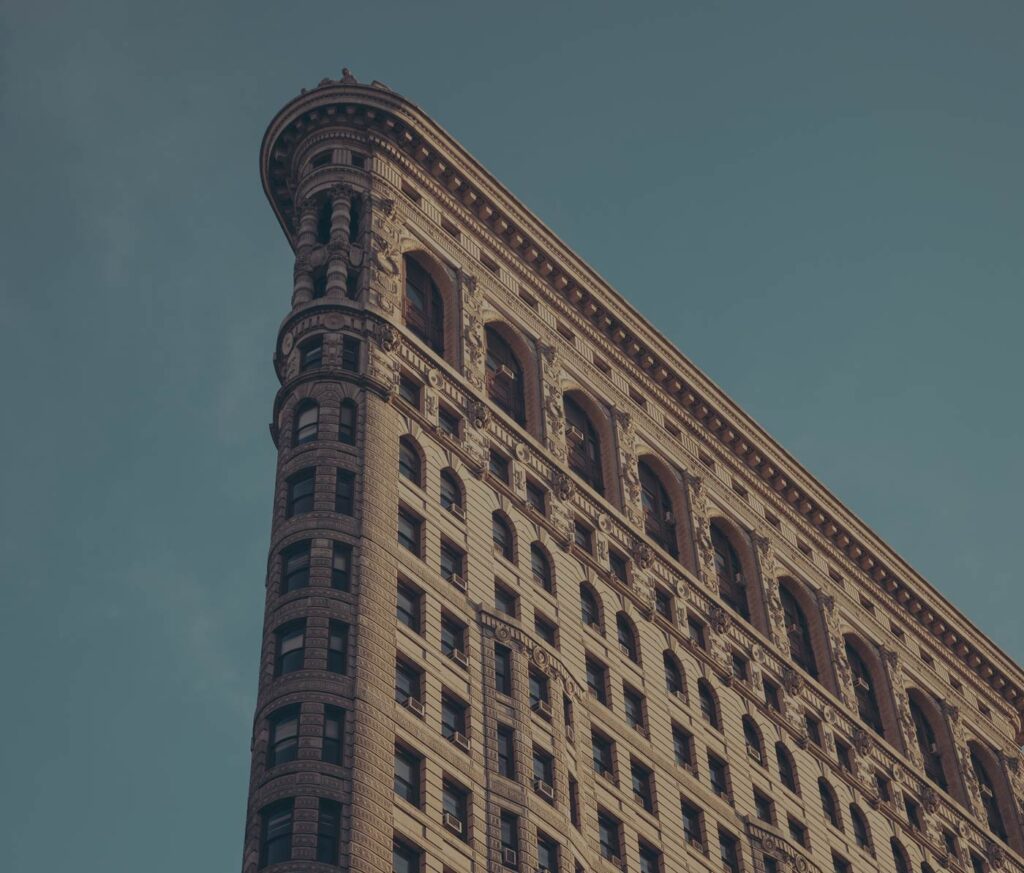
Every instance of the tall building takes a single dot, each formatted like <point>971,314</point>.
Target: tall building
<point>540,597</point>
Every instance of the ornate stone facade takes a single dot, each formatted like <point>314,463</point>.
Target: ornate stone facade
<point>433,609</point>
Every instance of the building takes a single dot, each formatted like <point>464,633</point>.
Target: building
<point>541,597</point>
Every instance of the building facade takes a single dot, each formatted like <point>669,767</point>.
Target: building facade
<point>540,597</point>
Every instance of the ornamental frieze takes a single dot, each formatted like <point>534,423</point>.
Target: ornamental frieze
<point>539,656</point>
<point>780,849</point>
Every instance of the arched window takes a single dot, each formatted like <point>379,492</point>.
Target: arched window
<point>864,687</point>
<point>828,803</point>
<point>307,419</point>
<point>752,738</point>
<point>627,637</point>
<point>801,649</point>
<point>409,464</point>
<point>347,422</point>
<point>451,493</point>
<point>501,533</point>
<point>899,856</point>
<point>659,519</point>
<point>504,376</point>
<point>424,308</point>
<point>928,744</point>
<point>541,567</point>
<point>731,584</point>
<point>787,770</point>
<point>584,445</point>
<point>861,834</point>
<point>589,608</point>
<point>675,683</point>
<point>989,800</point>
<point>708,707</point>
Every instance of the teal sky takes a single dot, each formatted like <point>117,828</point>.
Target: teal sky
<point>822,204</point>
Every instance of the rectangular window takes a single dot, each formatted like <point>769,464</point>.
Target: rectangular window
<point>311,353</point>
<point>408,682</point>
<point>634,704</point>
<point>603,755</point>
<point>409,391</point>
<point>650,859</point>
<point>813,729</point>
<point>574,802</point>
<point>682,742</point>
<point>610,836</point>
<point>453,716</point>
<point>498,466</point>
<point>455,802</point>
<point>347,422</point>
<point>283,745</point>
<point>409,607</point>
<point>536,497</point>
<point>619,566</point>
<point>718,776</point>
<point>408,775</point>
<point>729,849</point>
<point>840,864</point>
<point>405,858</point>
<point>453,636</point>
<point>691,825</point>
<point>453,562</point>
<point>771,695</point>
<point>337,647</point>
<point>328,831</point>
<point>547,853</point>
<point>583,536</point>
<point>695,629</point>
<point>334,731</point>
<point>502,669</point>
<point>798,832</point>
<point>291,647</point>
<point>642,791</point>
<point>913,811</point>
<point>295,567</point>
<point>844,756</point>
<point>506,751</point>
<point>763,807</point>
<point>345,493</point>
<point>739,667</point>
<point>540,692</point>
<point>350,353</point>
<point>301,487</point>
<point>597,680</point>
<point>341,567</point>
<point>448,422</point>
<point>543,767</point>
<point>276,832</point>
<point>545,630</point>
<point>509,840</point>
<point>506,601</point>
<point>663,603</point>
<point>409,530</point>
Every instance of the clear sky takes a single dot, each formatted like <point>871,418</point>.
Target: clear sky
<point>822,204</point>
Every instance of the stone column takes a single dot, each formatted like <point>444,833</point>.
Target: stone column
<point>474,348</point>
<point>768,568</point>
<point>840,666</point>
<point>383,259</point>
<point>337,247</point>
<point>552,410</point>
<point>894,673</point>
<point>302,289</point>
<point>625,440</point>
<point>700,521</point>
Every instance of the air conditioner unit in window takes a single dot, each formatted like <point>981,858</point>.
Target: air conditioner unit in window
<point>509,858</point>
<point>574,434</point>
<point>414,706</point>
<point>696,843</point>
<point>505,371</point>
<point>739,580</point>
<point>861,683</point>
<point>542,708</point>
<point>460,740</point>
<point>669,518</point>
<point>457,581</point>
<point>753,754</point>
<point>459,657</point>
<point>625,651</point>
<point>544,790</point>
<point>452,823</point>
<point>933,748</point>
<point>457,510</point>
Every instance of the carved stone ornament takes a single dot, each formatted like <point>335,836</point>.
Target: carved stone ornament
<point>604,522</point>
<point>792,681</point>
<point>643,555</point>
<point>387,337</point>
<point>522,451</point>
<point>562,485</point>
<point>478,413</point>
<point>929,800</point>
<point>434,378</point>
<point>287,343</point>
<point>897,771</point>
<point>861,741</point>
<point>995,853</point>
<point>718,619</point>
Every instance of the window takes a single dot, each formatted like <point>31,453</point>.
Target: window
<point>663,603</point>
<point>731,585</point>
<point>504,376</point>
<point>453,716</point>
<point>547,854</point>
<point>451,493</point>
<point>506,601</point>
<point>597,680</point>
<point>801,649</point>
<point>627,638</point>
<point>506,751</point>
<point>729,850</point>
<point>409,391</point>
<point>341,566</point>
<point>882,786</point>
<point>913,811</point>
<point>590,613</point>
<point>311,353</point>
<point>448,422</point>
<point>602,750</point>
<point>291,647</point>
<point>498,466</point>
<point>502,669</point>
<point>695,630</point>
<point>409,531</point>
<point>763,807</point>
<point>510,839</point>
<point>307,417</point>
<point>408,682</point>
<point>345,492</point>
<point>334,731</point>
<point>642,791</point>
<point>583,536</point>
<point>610,836</point>
<point>501,534</point>
<point>356,209</point>
<point>650,859</point>
<point>861,834</point>
<point>408,770</point>
<point>283,741</point>
<point>840,864</point>
<point>409,607</point>
<point>347,422</point>
<point>674,682</point>
<point>739,667</point>
<point>928,744</point>
<point>798,831</point>
<point>540,567</point>
<point>864,688</point>
<point>813,729</point>
<point>405,858</point>
<point>300,492</point>
<point>718,776</point>
<point>771,695</point>
<point>844,755</point>
<point>545,629</point>
<point>682,743</point>
<point>708,707</point>
<point>543,769</point>
<point>536,497</point>
<point>328,831</point>
<point>453,563</point>
<point>455,803</point>
<point>295,567</point>
<point>574,802</point>
<point>659,520</point>
<point>752,738</point>
<point>584,445</point>
<point>899,857</point>
<point>453,636</point>
<point>424,309</point>
<point>323,222</point>
<point>276,832</point>
<point>989,799</point>
<point>691,825</point>
<point>350,354</point>
<point>787,771</point>
<point>619,566</point>
<point>567,713</point>
<point>540,692</point>
<point>977,864</point>
<point>409,466</point>
<point>829,805</point>
<point>633,701</point>
<point>337,647</point>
